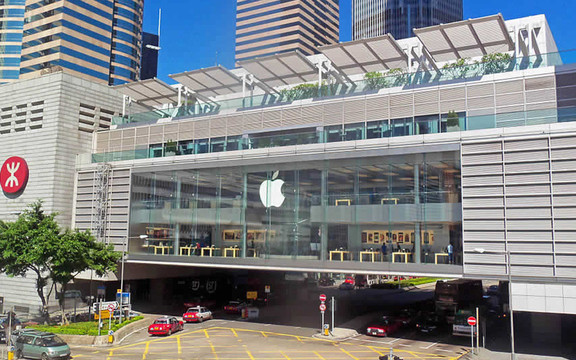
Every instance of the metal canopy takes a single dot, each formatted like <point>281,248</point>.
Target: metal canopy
<point>366,55</point>
<point>151,92</point>
<point>211,81</point>
<point>282,69</point>
<point>467,38</point>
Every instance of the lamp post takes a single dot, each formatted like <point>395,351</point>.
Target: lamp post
<point>508,270</point>
<point>141,237</point>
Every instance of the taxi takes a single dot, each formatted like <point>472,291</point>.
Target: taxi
<point>197,314</point>
<point>166,325</point>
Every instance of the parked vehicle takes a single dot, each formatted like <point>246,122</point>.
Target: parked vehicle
<point>166,325</point>
<point>325,281</point>
<point>460,326</point>
<point>200,301</point>
<point>346,286</point>
<point>235,307</point>
<point>130,315</point>
<point>385,326</point>
<point>428,323</point>
<point>4,321</point>
<point>197,314</point>
<point>41,345</point>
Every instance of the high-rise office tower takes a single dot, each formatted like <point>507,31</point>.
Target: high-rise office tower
<point>96,39</point>
<point>273,26</point>
<point>150,49</point>
<point>399,17</point>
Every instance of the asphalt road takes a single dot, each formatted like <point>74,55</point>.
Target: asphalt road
<point>239,340</point>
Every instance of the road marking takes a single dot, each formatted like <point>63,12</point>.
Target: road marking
<point>213,350</point>
<point>110,354</point>
<point>347,353</point>
<point>146,350</point>
<point>393,341</point>
<point>285,356</point>
<point>250,355</point>
<point>234,332</point>
<point>403,345</point>
<point>444,350</point>
<point>179,345</point>
<point>429,346</point>
<point>319,356</point>
<point>206,333</point>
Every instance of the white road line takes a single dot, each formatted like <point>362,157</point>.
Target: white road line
<point>393,341</point>
<point>444,350</point>
<point>429,346</point>
<point>403,345</point>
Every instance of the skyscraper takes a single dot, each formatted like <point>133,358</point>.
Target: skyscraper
<point>271,26</point>
<point>399,17</point>
<point>150,49</point>
<point>94,39</point>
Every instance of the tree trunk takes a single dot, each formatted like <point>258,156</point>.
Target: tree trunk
<point>40,283</point>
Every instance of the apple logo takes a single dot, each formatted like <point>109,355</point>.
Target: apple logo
<point>271,192</point>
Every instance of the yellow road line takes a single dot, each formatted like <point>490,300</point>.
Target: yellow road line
<point>347,353</point>
<point>250,355</point>
<point>110,354</point>
<point>285,356</point>
<point>179,345</point>
<point>146,350</point>
<point>206,333</point>
<point>234,332</point>
<point>214,350</point>
<point>319,356</point>
<point>263,333</point>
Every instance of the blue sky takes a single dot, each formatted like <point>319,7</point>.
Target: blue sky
<point>200,33</point>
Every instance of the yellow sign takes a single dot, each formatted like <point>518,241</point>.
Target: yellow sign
<point>252,295</point>
<point>105,315</point>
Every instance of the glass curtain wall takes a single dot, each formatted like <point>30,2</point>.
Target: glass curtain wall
<point>402,209</point>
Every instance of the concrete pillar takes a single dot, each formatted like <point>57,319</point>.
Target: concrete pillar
<point>324,225</point>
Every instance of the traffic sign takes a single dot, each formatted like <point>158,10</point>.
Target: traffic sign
<point>322,307</point>
<point>322,297</point>
<point>111,307</point>
<point>472,321</point>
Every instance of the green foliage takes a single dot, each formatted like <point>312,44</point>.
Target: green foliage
<point>84,328</point>
<point>495,63</point>
<point>394,77</point>
<point>457,69</point>
<point>171,146</point>
<point>375,80</point>
<point>452,119</point>
<point>301,91</point>
<point>36,243</point>
<point>414,282</point>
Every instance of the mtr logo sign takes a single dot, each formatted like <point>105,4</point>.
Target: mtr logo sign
<point>14,176</point>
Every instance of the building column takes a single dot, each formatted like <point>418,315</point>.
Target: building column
<point>324,225</point>
<point>243,214</point>
<point>417,226</point>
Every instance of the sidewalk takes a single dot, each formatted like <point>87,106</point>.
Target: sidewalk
<point>486,354</point>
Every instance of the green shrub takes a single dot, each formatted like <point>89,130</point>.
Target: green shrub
<point>83,328</point>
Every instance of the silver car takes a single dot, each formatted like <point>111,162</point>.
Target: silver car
<point>41,345</point>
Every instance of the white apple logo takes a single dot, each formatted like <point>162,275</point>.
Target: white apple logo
<point>271,192</point>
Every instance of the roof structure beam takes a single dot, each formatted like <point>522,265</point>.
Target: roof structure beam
<point>381,61</point>
<point>477,38</point>
<point>452,48</point>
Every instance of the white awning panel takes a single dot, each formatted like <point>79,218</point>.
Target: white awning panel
<point>151,92</point>
<point>282,69</point>
<point>366,55</point>
<point>211,81</point>
<point>467,38</point>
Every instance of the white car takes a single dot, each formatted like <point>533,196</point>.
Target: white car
<point>197,314</point>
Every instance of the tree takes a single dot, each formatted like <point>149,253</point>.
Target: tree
<point>36,243</point>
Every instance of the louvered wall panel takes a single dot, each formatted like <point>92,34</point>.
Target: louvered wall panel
<point>528,200</point>
<point>472,214</point>
<point>354,106</point>
<point>507,87</point>
<point>545,236</point>
<point>566,236</point>
<point>234,130</point>
<point>426,108</point>
<point>480,90</point>
<point>529,213</point>
<point>527,155</point>
<point>357,117</point>
<point>484,191</point>
<point>218,132</point>
<point>290,113</point>
<point>539,96</point>
<point>481,147</point>
<point>527,167</point>
<point>564,165</point>
<point>233,121</point>
<point>564,176</point>
<point>541,105</point>
<point>481,170</point>
<point>377,102</point>
<point>510,99</point>
<point>453,105</point>
<point>564,200</point>
<point>431,96</point>
<point>481,102</point>
<point>452,94</point>
<point>312,111</point>
<point>482,202</point>
<point>484,235</point>
<point>401,112</point>
<point>252,121</point>
<point>401,100</point>
<point>473,159</point>
<point>565,212</point>
<point>539,83</point>
<point>377,114</point>
<point>484,180</point>
<point>527,189</point>
<point>532,224</point>
<point>484,224</point>
<point>488,246</point>
<point>566,260</point>
<point>528,178</point>
<point>564,224</point>
<point>560,154</point>
<point>564,189</point>
<point>566,248</point>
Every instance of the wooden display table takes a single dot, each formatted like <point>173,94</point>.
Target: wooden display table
<point>341,253</point>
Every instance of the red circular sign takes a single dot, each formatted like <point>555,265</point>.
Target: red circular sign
<point>14,175</point>
<point>471,321</point>
<point>322,307</point>
<point>322,297</point>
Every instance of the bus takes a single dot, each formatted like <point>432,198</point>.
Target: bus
<point>454,295</point>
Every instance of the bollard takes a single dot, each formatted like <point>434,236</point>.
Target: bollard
<point>10,355</point>
<point>110,339</point>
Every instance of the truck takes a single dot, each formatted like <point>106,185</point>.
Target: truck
<point>457,295</point>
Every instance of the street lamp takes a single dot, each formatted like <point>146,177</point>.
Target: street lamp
<point>508,270</point>
<point>141,237</point>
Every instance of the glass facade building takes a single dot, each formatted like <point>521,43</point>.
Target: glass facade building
<point>373,18</point>
<point>11,25</point>
<point>401,209</point>
<point>97,40</point>
<point>276,26</point>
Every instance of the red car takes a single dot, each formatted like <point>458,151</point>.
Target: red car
<point>383,327</point>
<point>197,314</point>
<point>166,325</point>
<point>235,307</point>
